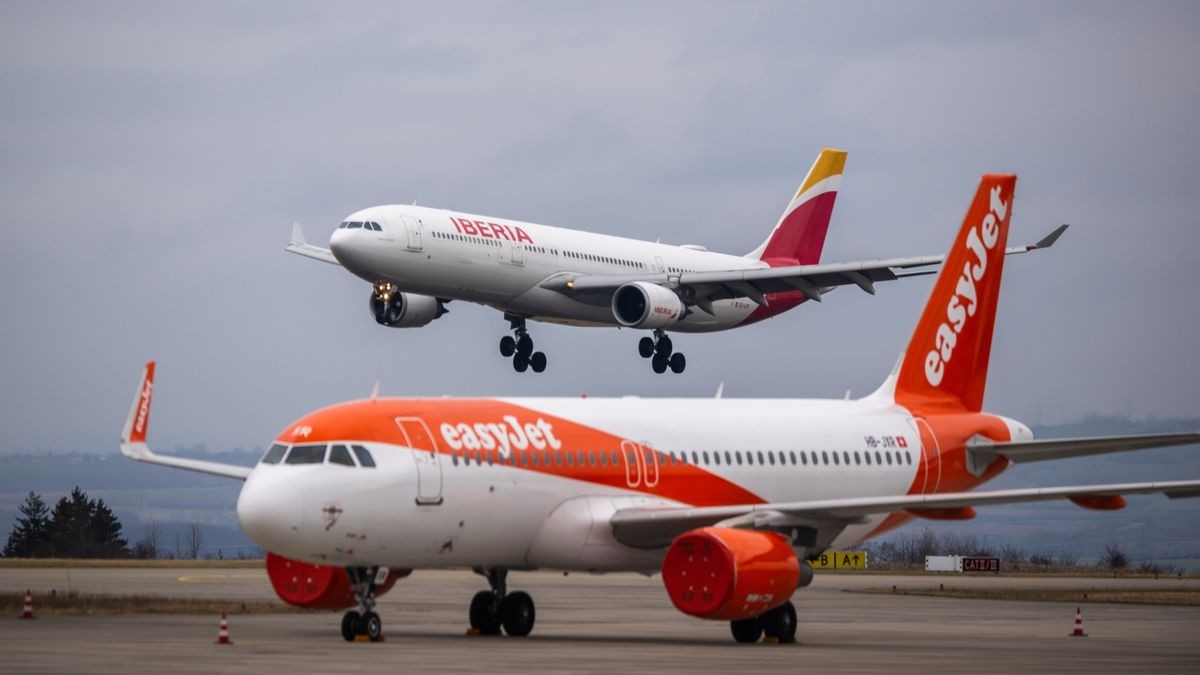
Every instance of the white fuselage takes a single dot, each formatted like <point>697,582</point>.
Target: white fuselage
<point>503,263</point>
<point>497,508</point>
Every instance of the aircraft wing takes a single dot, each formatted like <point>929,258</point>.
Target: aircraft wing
<point>702,288</point>
<point>300,246</point>
<point>657,527</point>
<point>133,437</point>
<point>1062,448</point>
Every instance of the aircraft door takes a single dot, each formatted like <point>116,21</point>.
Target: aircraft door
<point>412,227</point>
<point>426,458</point>
<point>518,257</point>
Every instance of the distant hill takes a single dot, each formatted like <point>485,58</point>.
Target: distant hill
<point>1151,527</point>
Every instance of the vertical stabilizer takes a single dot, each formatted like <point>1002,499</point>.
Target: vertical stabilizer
<point>946,363</point>
<point>799,236</point>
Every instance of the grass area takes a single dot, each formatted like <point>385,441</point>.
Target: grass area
<point>76,604</point>
<point>1147,596</point>
<point>13,563</point>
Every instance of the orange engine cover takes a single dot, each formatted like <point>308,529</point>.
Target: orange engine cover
<point>316,586</point>
<point>727,574</point>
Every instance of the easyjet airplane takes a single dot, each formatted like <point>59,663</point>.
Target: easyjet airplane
<point>725,498</point>
<point>419,258</point>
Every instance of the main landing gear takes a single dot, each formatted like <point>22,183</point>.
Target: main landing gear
<point>519,346</point>
<point>658,350</point>
<point>497,608</point>
<point>779,623</point>
<point>363,621</point>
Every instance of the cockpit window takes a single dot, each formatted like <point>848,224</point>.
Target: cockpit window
<point>344,225</point>
<point>375,226</point>
<point>364,457</point>
<point>306,454</point>
<point>338,454</point>
<point>274,454</point>
<point>355,225</point>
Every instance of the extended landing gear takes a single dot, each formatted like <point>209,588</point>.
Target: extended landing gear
<point>363,621</point>
<point>658,350</point>
<point>519,346</point>
<point>779,623</point>
<point>497,608</point>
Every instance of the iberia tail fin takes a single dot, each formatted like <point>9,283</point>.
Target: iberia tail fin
<point>799,236</point>
<point>946,362</point>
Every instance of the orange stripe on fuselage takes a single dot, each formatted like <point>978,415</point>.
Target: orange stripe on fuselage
<point>480,423</point>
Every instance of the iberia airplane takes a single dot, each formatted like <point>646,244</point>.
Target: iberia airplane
<point>725,498</point>
<point>419,258</point>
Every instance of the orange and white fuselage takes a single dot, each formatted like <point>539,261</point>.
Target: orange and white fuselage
<point>533,483</point>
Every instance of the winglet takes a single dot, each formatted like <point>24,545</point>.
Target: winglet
<point>133,437</point>
<point>1048,240</point>
<point>298,235</point>
<point>139,413</point>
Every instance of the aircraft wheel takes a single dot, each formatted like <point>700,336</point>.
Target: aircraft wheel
<point>349,625</point>
<point>678,363</point>
<point>508,346</point>
<point>525,345</point>
<point>537,361</point>
<point>520,362</point>
<point>746,630</point>
<point>517,614</point>
<point>371,626</point>
<point>485,613</point>
<point>663,347</point>
<point>646,347</point>
<point>659,363</point>
<point>780,623</point>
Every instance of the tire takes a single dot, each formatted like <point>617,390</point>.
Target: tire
<point>525,345</point>
<point>664,347</point>
<point>508,346</point>
<point>538,361</point>
<point>517,614</point>
<point>485,613</point>
<point>646,347</point>
<point>678,363</point>
<point>659,363</point>
<point>349,625</point>
<point>780,623</point>
<point>520,362</point>
<point>746,631</point>
<point>371,626</point>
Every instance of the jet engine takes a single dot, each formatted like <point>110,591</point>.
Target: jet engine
<point>317,586</point>
<point>405,310</point>
<point>645,305</point>
<point>728,574</point>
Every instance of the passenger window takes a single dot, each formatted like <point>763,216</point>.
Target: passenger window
<point>705,456</point>
<point>738,456</point>
<point>760,459</point>
<point>846,457</point>
<point>771,458</point>
<point>592,458</point>
<point>803,458</point>
<point>856,458</point>
<point>792,454</point>
<point>570,459</point>
<point>306,454</point>
<point>825,457</point>
<point>603,458</point>
<point>339,454</point>
<point>750,458</point>
<point>364,457</point>
<point>274,454</point>
<point>888,455</point>
<point>728,458</point>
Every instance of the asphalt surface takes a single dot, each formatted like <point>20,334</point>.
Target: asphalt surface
<point>613,623</point>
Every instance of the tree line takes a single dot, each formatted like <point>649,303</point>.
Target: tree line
<point>77,527</point>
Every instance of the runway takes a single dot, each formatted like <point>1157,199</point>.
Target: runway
<point>621,623</point>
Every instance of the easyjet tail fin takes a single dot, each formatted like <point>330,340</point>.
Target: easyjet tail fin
<point>799,235</point>
<point>946,362</point>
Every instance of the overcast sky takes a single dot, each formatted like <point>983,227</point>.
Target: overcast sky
<point>155,155</point>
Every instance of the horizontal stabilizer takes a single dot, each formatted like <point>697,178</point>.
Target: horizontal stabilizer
<point>1063,448</point>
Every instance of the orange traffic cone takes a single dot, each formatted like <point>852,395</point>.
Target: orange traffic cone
<point>223,632</point>
<point>1078,632</point>
<point>27,613</point>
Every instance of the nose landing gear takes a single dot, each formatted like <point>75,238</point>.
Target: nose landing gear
<point>494,609</point>
<point>519,346</point>
<point>363,621</point>
<point>659,350</point>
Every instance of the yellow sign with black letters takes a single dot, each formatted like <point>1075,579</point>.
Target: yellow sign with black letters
<point>840,560</point>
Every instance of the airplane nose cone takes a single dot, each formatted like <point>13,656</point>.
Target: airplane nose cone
<point>269,509</point>
<point>339,244</point>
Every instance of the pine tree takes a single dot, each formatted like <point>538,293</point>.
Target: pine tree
<point>105,530</point>
<point>30,536</point>
<point>70,524</point>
